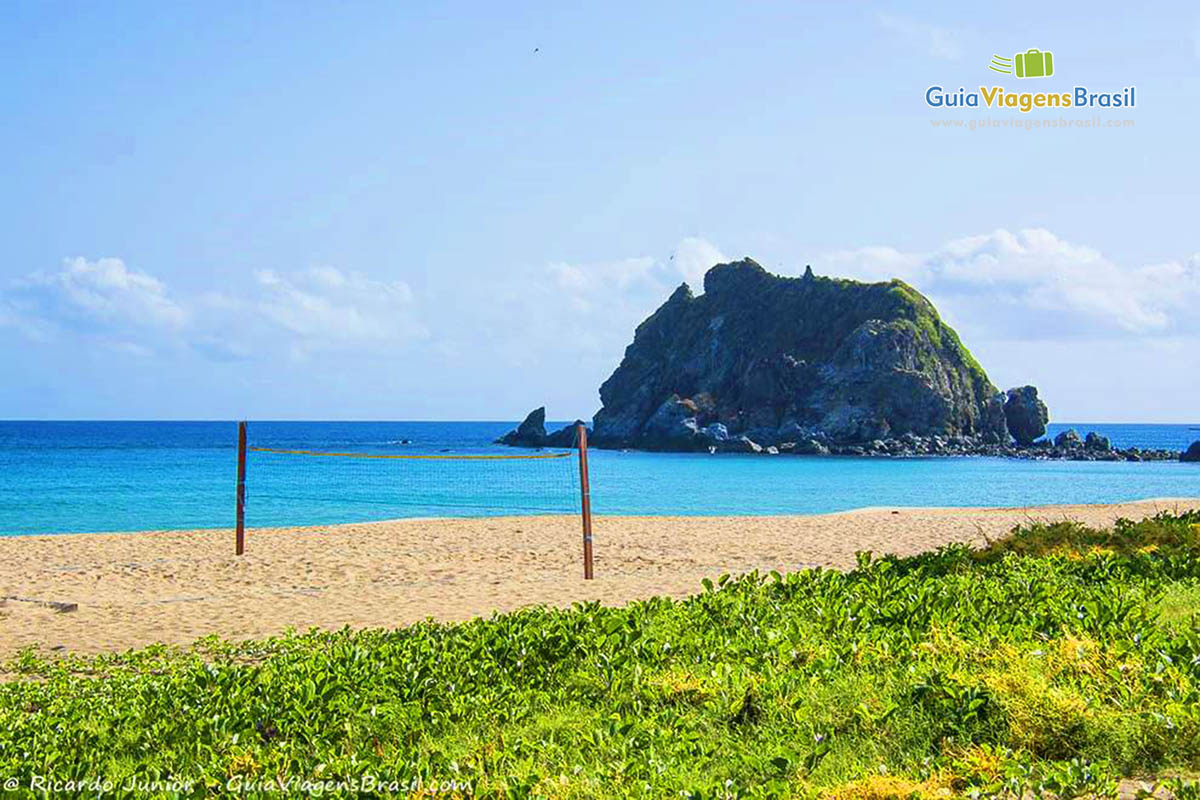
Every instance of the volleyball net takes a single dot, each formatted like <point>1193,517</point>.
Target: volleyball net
<point>282,486</point>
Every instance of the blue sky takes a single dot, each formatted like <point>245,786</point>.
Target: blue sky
<point>410,210</point>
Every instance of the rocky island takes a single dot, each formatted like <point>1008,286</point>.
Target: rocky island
<point>811,365</point>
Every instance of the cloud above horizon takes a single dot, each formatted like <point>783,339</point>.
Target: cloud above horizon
<point>584,310</point>
<point>1029,283</point>
<point>326,308</point>
<point>1015,296</point>
<point>101,298</point>
<point>1032,283</point>
<point>693,257</point>
<point>582,284</point>
<point>134,312</point>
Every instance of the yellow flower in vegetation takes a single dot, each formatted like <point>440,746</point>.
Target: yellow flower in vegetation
<point>887,787</point>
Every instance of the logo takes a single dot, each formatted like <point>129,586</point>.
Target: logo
<point>1033,63</point>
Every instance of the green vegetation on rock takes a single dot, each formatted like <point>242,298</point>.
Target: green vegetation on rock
<point>1053,661</point>
<point>781,359</point>
<point>943,336</point>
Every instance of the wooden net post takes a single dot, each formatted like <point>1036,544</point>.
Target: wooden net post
<point>586,498</point>
<point>241,489</point>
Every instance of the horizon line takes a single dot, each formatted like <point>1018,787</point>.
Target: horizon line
<point>518,419</point>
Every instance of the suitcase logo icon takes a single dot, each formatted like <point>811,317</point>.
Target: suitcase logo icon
<point>1033,63</point>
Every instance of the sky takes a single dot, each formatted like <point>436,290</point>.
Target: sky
<point>461,211</point>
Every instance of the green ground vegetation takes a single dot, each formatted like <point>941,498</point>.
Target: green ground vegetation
<point>1055,661</point>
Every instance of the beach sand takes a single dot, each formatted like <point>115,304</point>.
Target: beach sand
<point>174,587</point>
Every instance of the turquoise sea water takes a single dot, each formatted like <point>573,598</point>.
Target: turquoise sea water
<point>60,477</point>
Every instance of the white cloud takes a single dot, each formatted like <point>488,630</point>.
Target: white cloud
<point>1034,308</point>
<point>937,41</point>
<point>97,294</point>
<point>584,282</point>
<point>693,257</point>
<point>132,312</point>
<point>583,285</point>
<point>1033,282</point>
<point>102,299</point>
<point>324,306</point>
<point>567,311</point>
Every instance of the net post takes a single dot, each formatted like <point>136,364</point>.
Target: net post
<point>586,500</point>
<point>241,489</point>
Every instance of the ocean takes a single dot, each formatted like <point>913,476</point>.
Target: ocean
<point>65,477</point>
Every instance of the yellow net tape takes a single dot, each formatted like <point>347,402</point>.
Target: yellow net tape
<point>384,455</point>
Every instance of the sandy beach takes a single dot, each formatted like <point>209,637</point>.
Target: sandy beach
<point>174,587</point>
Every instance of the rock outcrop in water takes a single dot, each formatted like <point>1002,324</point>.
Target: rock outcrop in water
<point>766,364</point>
<point>1025,414</point>
<point>785,359</point>
<point>532,432</point>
